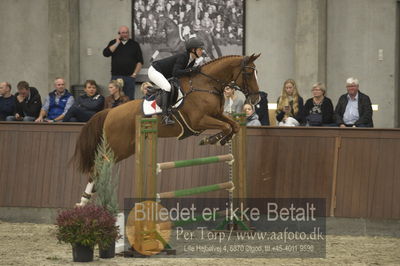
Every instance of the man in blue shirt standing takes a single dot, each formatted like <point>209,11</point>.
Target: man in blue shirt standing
<point>353,108</point>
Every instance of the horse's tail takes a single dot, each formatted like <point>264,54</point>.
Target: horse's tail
<point>89,139</point>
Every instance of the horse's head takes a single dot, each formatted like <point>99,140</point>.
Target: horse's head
<point>245,77</point>
<point>237,72</point>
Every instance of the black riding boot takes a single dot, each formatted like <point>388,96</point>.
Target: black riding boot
<point>166,119</point>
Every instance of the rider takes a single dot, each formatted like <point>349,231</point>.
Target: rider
<point>174,66</point>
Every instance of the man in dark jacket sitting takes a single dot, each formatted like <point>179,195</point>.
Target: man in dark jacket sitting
<point>353,108</point>
<point>28,103</point>
<point>261,108</point>
<point>86,105</point>
<point>7,101</point>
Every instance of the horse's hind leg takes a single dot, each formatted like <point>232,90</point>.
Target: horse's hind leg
<point>209,122</point>
<point>87,194</point>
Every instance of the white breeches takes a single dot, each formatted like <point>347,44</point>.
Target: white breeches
<point>158,79</point>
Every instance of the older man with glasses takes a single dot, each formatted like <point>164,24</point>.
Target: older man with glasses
<point>353,108</point>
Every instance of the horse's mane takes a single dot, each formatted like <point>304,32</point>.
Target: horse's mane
<point>221,58</point>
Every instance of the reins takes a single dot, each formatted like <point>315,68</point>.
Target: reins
<point>232,84</point>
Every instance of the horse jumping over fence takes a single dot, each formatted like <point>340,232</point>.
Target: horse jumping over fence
<point>141,233</point>
<point>202,110</point>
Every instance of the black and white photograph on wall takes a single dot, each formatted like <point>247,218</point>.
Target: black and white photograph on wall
<point>162,26</point>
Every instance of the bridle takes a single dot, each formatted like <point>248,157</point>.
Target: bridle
<point>245,78</point>
<point>231,84</point>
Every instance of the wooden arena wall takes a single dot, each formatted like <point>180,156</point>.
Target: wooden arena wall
<point>356,170</point>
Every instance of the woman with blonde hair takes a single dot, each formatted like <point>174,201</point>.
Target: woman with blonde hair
<point>251,115</point>
<point>289,110</point>
<point>117,96</point>
<point>318,110</point>
<point>148,91</point>
<point>144,87</point>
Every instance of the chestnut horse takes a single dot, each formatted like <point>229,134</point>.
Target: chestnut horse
<point>202,109</point>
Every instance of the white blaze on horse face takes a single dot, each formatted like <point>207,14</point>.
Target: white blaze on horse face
<point>255,75</point>
<point>252,98</point>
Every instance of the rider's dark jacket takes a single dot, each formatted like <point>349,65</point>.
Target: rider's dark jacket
<point>174,66</point>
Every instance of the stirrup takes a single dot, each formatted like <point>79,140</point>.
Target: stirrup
<point>166,120</point>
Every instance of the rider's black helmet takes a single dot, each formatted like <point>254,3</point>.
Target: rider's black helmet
<point>194,43</point>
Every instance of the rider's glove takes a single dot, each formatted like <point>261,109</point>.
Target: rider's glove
<point>195,70</point>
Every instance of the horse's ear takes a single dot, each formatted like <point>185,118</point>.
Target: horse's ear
<point>253,57</point>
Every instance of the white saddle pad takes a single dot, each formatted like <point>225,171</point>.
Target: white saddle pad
<point>151,107</point>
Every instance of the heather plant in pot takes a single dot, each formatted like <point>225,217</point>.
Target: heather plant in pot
<point>84,227</point>
<point>106,185</point>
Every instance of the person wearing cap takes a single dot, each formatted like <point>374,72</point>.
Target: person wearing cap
<point>178,65</point>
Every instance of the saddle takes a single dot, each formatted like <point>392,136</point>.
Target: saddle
<point>152,102</point>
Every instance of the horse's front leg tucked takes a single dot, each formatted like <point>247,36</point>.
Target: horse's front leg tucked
<point>234,125</point>
<point>87,194</point>
<point>209,122</point>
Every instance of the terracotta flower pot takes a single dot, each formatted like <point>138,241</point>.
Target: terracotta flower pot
<point>82,253</point>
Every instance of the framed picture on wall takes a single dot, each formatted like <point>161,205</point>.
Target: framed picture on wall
<point>162,26</point>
